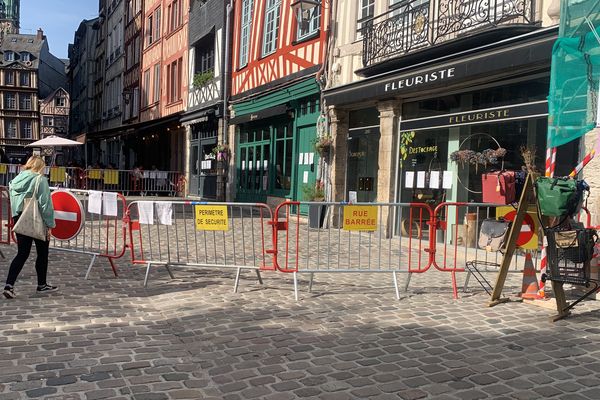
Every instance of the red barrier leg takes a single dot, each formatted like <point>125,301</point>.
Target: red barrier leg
<point>113,266</point>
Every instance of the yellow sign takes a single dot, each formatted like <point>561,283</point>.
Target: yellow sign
<point>94,174</point>
<point>111,177</point>
<point>360,218</point>
<point>57,174</point>
<point>2,169</point>
<point>211,218</point>
<point>528,238</point>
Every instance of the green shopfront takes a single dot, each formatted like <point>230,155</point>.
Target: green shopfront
<point>274,144</point>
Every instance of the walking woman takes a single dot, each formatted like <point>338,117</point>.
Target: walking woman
<point>21,187</point>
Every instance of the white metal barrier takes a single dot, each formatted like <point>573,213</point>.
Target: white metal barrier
<point>199,234</point>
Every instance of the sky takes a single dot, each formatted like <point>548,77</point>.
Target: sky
<point>58,18</point>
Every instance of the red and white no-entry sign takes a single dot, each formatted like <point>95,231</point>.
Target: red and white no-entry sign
<point>528,238</point>
<point>68,214</point>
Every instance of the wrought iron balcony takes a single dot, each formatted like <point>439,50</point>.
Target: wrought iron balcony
<point>416,24</point>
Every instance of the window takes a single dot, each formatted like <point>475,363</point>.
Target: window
<point>25,101</point>
<point>366,10</point>
<point>157,24</point>
<point>26,130</point>
<point>10,128</point>
<point>205,55</point>
<point>60,102</point>
<point>312,25</point>
<point>25,56</point>
<point>149,31</point>
<point>174,71</point>
<point>246,26</point>
<point>10,100</point>
<point>9,77</point>
<point>175,12</point>
<point>156,88</point>
<point>272,15</point>
<point>48,121</point>
<point>9,56</point>
<point>146,89</point>
<point>24,78</point>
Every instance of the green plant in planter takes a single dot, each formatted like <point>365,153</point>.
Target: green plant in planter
<point>314,192</point>
<point>202,78</point>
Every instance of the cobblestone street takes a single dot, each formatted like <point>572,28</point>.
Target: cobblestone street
<point>193,338</point>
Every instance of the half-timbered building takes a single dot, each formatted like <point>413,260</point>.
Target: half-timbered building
<point>204,115</point>
<point>276,99</point>
<point>54,114</point>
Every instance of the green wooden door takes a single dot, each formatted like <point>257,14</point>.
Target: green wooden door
<point>253,166</point>
<point>308,162</point>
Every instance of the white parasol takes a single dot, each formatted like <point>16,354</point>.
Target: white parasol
<point>54,141</point>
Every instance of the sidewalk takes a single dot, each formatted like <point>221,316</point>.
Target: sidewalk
<point>109,338</point>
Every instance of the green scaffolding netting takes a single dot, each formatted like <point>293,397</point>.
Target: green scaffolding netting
<point>575,73</point>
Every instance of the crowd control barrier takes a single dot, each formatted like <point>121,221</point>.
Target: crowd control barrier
<point>339,237</point>
<point>103,232</point>
<point>5,218</point>
<point>200,234</point>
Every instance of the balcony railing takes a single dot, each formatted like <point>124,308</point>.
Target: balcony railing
<point>417,24</point>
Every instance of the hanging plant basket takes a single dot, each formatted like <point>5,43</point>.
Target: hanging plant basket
<point>323,145</point>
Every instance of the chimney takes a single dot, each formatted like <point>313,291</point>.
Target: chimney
<point>40,34</point>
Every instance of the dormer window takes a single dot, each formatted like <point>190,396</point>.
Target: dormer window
<point>25,56</point>
<point>9,56</point>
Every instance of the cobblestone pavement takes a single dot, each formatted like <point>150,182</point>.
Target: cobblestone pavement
<point>110,338</point>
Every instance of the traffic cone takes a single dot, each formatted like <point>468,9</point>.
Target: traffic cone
<point>530,287</point>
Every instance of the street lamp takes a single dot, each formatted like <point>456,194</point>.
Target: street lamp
<point>305,11</point>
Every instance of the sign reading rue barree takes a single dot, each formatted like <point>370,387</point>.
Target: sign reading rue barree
<point>360,218</point>
<point>211,218</point>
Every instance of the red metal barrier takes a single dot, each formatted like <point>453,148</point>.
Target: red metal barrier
<point>313,237</point>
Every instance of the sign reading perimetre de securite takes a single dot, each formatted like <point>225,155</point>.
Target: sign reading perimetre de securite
<point>211,218</point>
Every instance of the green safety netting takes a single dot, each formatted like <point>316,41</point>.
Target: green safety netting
<point>575,73</point>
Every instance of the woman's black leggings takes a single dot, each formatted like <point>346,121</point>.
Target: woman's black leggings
<point>24,248</point>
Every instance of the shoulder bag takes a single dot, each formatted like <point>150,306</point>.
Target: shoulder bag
<point>492,234</point>
<point>30,222</point>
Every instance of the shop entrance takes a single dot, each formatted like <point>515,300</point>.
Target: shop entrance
<point>363,157</point>
<point>203,164</point>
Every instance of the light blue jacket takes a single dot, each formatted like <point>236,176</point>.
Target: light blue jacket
<point>22,186</point>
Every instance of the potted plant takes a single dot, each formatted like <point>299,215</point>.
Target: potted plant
<point>316,212</point>
<point>202,78</point>
<point>323,145</point>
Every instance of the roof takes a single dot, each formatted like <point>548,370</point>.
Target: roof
<point>20,43</point>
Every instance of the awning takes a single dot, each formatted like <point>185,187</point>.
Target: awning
<point>80,138</point>
<point>530,53</point>
<point>197,117</point>
<point>280,109</point>
<point>125,130</point>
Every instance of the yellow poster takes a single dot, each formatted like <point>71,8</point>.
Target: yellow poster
<point>528,238</point>
<point>360,218</point>
<point>211,218</point>
<point>94,174</point>
<point>111,177</point>
<point>57,174</point>
<point>2,169</point>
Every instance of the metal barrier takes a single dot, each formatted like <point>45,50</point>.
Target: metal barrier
<point>135,182</point>
<point>101,235</point>
<point>363,240</point>
<point>200,234</point>
<point>5,218</point>
<point>457,228</point>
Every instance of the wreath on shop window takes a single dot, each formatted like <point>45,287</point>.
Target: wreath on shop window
<point>477,158</point>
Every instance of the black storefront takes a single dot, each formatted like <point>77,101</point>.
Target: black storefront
<point>489,96</point>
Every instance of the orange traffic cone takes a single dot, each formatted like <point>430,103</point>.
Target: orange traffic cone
<point>530,287</point>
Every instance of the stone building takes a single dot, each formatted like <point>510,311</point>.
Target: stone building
<point>411,82</point>
<point>9,16</point>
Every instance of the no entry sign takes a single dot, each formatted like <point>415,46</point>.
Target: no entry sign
<point>68,214</point>
<point>528,238</point>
